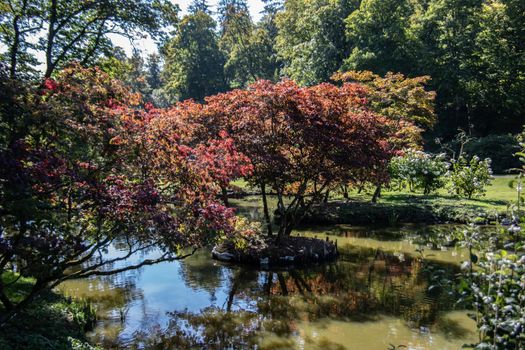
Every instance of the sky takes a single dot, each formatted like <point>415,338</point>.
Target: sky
<point>147,46</point>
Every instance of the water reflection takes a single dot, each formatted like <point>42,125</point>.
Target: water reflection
<point>300,308</point>
<point>375,296</point>
<point>371,295</point>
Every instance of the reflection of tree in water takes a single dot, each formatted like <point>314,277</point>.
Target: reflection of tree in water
<point>353,289</point>
<point>198,273</point>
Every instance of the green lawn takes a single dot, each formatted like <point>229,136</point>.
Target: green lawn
<point>500,190</point>
<point>497,197</point>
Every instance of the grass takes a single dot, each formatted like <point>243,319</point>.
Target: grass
<point>497,196</point>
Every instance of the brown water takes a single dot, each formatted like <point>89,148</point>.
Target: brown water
<point>378,295</point>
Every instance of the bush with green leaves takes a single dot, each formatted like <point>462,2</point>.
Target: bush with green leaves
<point>419,170</point>
<point>470,178</point>
<point>498,291</point>
<point>493,284</point>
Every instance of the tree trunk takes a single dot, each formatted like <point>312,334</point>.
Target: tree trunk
<point>283,217</point>
<point>224,192</point>
<point>266,211</point>
<point>326,196</point>
<point>345,192</point>
<point>14,49</point>
<point>282,283</point>
<point>377,194</point>
<point>51,39</point>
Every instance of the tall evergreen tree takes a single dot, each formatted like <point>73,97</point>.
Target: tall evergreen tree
<point>153,71</point>
<point>226,8</point>
<point>199,5</point>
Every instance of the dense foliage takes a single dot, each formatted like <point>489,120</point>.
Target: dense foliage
<point>492,283</point>
<point>303,141</point>
<point>419,170</point>
<point>193,61</point>
<point>472,50</point>
<point>469,178</point>
<point>88,162</point>
<point>83,165</point>
<point>497,288</point>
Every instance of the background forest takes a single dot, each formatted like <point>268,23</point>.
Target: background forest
<point>473,50</point>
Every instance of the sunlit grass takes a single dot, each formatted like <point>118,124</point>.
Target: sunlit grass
<point>497,196</point>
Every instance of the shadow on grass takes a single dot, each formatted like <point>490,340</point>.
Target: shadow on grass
<point>441,199</point>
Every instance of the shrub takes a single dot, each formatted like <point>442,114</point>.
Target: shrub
<point>492,283</point>
<point>499,148</point>
<point>419,170</point>
<point>469,178</point>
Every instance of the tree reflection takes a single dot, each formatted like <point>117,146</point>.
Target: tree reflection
<point>364,284</point>
<point>199,273</point>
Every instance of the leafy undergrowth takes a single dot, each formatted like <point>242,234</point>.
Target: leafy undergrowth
<point>52,322</point>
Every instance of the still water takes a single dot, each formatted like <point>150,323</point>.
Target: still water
<point>378,295</point>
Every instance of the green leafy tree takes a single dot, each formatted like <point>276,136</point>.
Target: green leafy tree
<point>252,57</point>
<point>115,65</point>
<point>136,77</point>
<point>193,61</point>
<point>267,31</point>
<point>75,29</point>
<point>495,92</point>
<point>19,20</point>
<point>131,71</point>
<point>311,40</point>
<point>447,33</point>
<point>241,47</point>
<point>153,71</point>
<point>378,33</point>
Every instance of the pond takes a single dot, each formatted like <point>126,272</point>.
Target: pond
<point>378,295</point>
